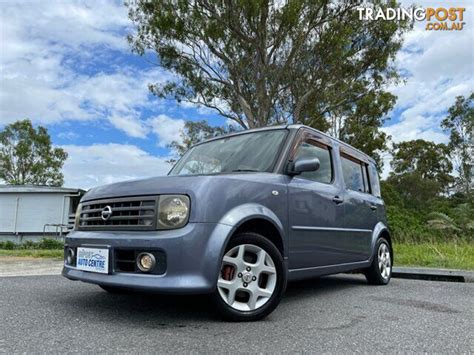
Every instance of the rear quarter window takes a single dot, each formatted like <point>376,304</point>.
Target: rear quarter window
<point>374,181</point>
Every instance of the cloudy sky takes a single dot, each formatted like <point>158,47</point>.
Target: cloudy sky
<point>66,65</point>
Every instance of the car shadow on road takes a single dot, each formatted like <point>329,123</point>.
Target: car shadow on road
<point>322,286</point>
<point>171,311</point>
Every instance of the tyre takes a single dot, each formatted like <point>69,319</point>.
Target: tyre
<point>380,271</point>
<point>252,279</point>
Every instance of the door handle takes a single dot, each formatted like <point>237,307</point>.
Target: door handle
<point>337,200</point>
<point>373,207</point>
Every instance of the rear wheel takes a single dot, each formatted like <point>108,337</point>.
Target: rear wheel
<point>252,278</point>
<point>380,271</point>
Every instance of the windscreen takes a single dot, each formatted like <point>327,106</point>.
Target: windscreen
<point>251,152</point>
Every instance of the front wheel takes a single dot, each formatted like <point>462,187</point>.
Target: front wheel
<point>252,279</point>
<point>380,271</point>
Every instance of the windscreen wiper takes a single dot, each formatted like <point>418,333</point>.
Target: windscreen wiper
<point>245,171</point>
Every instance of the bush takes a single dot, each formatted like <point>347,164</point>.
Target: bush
<point>45,243</point>
<point>8,245</point>
<point>28,245</point>
<point>50,244</point>
<point>407,226</point>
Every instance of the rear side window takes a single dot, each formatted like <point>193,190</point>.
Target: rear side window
<point>312,149</point>
<point>374,181</point>
<point>355,174</point>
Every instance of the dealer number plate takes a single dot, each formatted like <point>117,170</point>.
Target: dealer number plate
<point>93,260</point>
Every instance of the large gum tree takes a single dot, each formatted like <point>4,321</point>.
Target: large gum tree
<point>262,62</point>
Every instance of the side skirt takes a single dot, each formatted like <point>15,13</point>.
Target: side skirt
<point>305,273</point>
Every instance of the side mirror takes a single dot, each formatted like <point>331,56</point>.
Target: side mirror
<point>302,165</point>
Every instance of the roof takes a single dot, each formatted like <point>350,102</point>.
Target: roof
<point>288,126</point>
<point>38,189</point>
<point>297,126</point>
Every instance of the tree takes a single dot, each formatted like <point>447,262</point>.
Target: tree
<point>441,221</point>
<point>362,123</point>
<point>462,224</point>
<point>264,62</point>
<point>460,125</point>
<point>27,157</point>
<point>421,170</point>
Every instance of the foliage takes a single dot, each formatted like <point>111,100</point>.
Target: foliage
<point>421,204</point>
<point>428,159</point>
<point>46,243</point>
<point>461,223</point>
<point>43,244</point>
<point>8,245</point>
<point>27,156</point>
<point>441,221</point>
<point>465,216</point>
<point>407,226</point>
<point>362,123</point>
<point>421,170</point>
<point>261,63</point>
<point>460,125</point>
<point>445,218</point>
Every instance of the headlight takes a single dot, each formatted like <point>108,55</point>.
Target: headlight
<point>173,211</point>
<point>77,217</point>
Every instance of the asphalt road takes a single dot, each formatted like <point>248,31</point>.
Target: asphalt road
<point>333,314</point>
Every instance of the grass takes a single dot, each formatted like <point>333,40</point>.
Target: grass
<point>451,255</point>
<point>35,253</point>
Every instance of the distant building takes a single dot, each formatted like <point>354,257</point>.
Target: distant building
<point>32,212</point>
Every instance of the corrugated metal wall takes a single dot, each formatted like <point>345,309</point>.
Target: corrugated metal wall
<point>34,211</point>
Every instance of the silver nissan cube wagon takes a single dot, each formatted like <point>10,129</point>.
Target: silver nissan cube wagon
<point>237,217</point>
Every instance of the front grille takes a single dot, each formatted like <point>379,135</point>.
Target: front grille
<point>128,213</point>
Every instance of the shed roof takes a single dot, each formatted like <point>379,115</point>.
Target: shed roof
<point>38,189</point>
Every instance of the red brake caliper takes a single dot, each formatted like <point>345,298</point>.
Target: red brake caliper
<point>228,272</point>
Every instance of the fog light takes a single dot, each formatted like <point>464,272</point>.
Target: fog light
<point>70,256</point>
<point>146,262</point>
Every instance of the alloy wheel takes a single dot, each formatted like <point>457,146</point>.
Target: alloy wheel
<point>385,262</point>
<point>248,277</point>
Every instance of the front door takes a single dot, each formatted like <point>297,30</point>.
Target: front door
<point>316,208</point>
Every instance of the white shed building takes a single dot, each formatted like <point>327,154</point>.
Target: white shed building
<point>31,212</point>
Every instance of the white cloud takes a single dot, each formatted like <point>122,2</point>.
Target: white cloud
<point>132,126</point>
<point>440,66</point>
<point>33,25</point>
<point>167,129</point>
<point>89,166</point>
<point>416,127</point>
<point>47,50</point>
<point>69,135</point>
<point>63,61</point>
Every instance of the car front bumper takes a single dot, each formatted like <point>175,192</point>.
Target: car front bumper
<point>193,255</point>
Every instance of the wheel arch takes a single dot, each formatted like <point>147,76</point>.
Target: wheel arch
<point>263,227</point>
<point>258,219</point>
<point>237,220</point>
<point>381,231</point>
